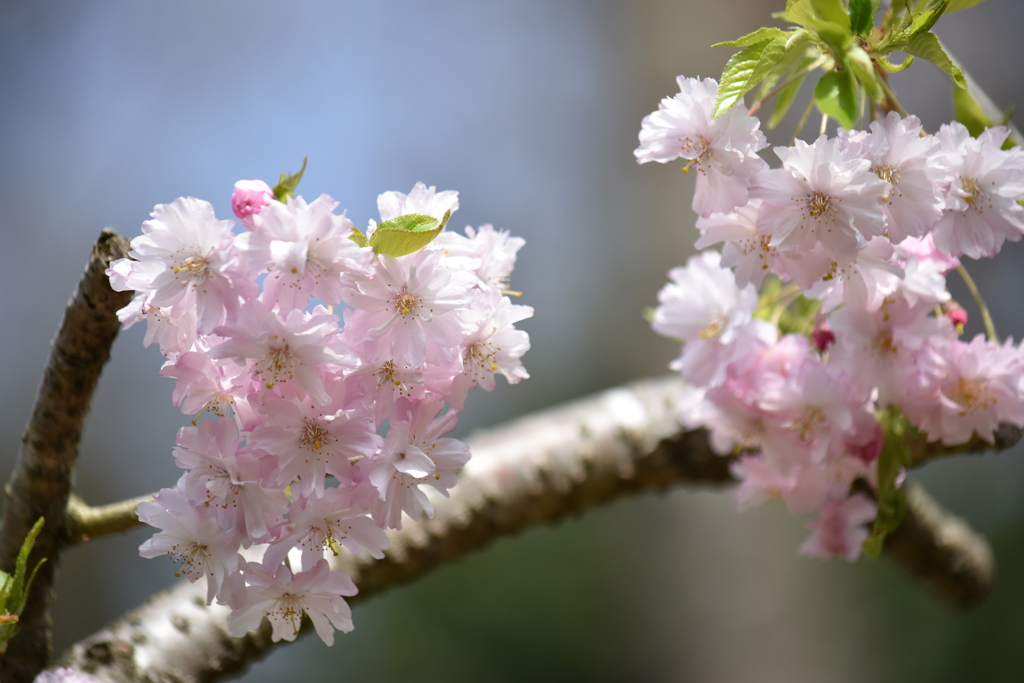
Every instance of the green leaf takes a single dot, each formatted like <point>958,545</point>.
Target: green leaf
<point>758,36</point>
<point>799,12</point>
<point>836,36</point>
<point>926,18</point>
<point>927,46</point>
<point>796,58</point>
<point>784,99</point>
<point>860,64</point>
<point>967,111</point>
<point>744,70</point>
<point>892,501</point>
<point>894,68</point>
<point>406,234</point>
<point>20,587</point>
<point>862,16</point>
<point>358,237</point>
<point>836,96</point>
<point>285,187</point>
<point>832,10</point>
<point>957,5</point>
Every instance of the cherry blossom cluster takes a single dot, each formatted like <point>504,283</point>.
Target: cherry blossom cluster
<point>865,224</point>
<point>321,366</point>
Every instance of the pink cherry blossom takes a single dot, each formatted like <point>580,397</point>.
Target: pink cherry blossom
<point>494,346</point>
<point>280,355</point>
<point>841,528</point>
<point>191,536</point>
<point>421,199</point>
<point>306,250</point>
<point>413,455</point>
<point>722,150</point>
<point>967,389</point>
<point>285,599</point>
<point>981,199</point>
<point>186,252</point>
<point>902,155</point>
<point>823,194</point>
<point>705,309</point>
<point>413,305</point>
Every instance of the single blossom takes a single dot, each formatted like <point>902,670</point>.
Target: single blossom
<point>823,194</point>
<point>981,209</point>
<point>285,599</point>
<point>723,151</point>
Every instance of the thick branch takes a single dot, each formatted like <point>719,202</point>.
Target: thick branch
<point>41,481</point>
<point>941,550</point>
<point>537,469</point>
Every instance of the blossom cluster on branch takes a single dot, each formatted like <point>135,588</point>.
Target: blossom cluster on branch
<point>855,340</point>
<point>323,425</point>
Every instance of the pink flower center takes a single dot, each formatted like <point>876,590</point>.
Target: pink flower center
<point>276,365</point>
<point>193,268</point>
<point>972,395</point>
<point>314,436</point>
<point>974,193</point>
<point>819,204</point>
<point>406,303</point>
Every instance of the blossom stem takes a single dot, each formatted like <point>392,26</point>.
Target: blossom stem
<point>802,121</point>
<point>986,317</point>
<point>891,102</point>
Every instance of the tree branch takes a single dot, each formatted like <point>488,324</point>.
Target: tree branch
<point>537,469</point>
<point>41,481</point>
<point>86,522</point>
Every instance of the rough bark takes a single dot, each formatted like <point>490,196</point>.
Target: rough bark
<point>41,481</point>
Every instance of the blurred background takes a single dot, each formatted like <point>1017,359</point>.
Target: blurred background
<point>531,111</point>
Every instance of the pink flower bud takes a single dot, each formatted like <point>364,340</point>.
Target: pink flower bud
<point>957,316</point>
<point>249,197</point>
<point>823,337</point>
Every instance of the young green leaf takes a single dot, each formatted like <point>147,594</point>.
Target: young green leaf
<point>784,100</point>
<point>862,16</point>
<point>967,111</point>
<point>799,12</point>
<point>957,5</point>
<point>894,68</point>
<point>836,96</point>
<point>797,57</point>
<point>832,10</point>
<point>358,237</point>
<point>927,46</point>
<point>745,69</point>
<point>860,64</point>
<point>926,18</point>
<point>21,584</point>
<point>406,234</point>
<point>758,36</point>
<point>836,36</point>
<point>285,187</point>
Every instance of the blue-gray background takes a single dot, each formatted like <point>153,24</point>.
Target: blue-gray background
<point>530,110</point>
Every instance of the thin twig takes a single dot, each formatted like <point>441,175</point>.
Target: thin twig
<point>86,523</point>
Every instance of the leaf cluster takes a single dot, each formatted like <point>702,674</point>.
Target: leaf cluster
<point>851,41</point>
